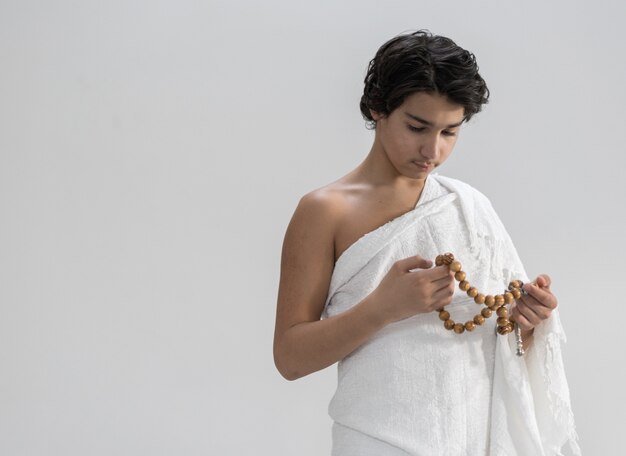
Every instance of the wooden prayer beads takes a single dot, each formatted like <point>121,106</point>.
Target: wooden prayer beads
<point>492,303</point>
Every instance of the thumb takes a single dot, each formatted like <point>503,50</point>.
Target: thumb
<point>544,281</point>
<point>413,262</point>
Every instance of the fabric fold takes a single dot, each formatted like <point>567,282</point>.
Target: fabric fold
<point>423,390</point>
<point>358,254</point>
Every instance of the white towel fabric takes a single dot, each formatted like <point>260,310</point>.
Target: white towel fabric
<point>415,388</point>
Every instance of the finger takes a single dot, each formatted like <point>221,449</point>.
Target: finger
<point>543,296</point>
<point>440,276</point>
<point>524,310</point>
<point>544,281</point>
<point>442,297</point>
<point>537,307</point>
<point>522,321</point>
<point>444,284</point>
<point>435,274</point>
<point>413,262</point>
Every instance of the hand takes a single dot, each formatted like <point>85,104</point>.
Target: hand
<point>413,286</point>
<point>536,306</point>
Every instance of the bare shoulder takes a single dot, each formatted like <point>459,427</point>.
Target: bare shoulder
<point>311,230</point>
<point>307,259</point>
<point>325,203</point>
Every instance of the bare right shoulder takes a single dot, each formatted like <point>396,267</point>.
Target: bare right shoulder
<point>307,259</point>
<point>313,224</point>
<point>317,213</point>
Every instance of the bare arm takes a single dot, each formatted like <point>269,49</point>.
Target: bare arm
<point>311,346</point>
<point>302,342</point>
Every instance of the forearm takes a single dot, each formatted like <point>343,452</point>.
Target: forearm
<point>311,346</point>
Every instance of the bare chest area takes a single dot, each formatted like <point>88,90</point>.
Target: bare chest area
<point>362,218</point>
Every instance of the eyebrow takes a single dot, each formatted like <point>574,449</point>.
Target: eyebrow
<point>430,124</point>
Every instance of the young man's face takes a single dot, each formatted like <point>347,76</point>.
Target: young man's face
<point>420,134</point>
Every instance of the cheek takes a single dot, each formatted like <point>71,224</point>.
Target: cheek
<point>400,142</point>
<point>448,147</point>
<point>406,142</point>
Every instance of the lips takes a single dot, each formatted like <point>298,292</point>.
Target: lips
<point>423,166</point>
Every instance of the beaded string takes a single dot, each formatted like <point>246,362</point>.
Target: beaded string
<point>492,304</point>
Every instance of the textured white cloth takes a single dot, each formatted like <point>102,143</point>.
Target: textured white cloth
<point>415,388</point>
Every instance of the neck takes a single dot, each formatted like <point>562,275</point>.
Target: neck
<point>377,170</point>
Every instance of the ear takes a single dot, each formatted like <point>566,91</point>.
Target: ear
<point>376,115</point>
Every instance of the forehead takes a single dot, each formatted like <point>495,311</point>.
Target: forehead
<point>433,107</point>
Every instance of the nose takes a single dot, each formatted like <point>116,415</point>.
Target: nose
<point>430,147</point>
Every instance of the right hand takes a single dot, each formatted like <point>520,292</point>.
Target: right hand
<point>403,293</point>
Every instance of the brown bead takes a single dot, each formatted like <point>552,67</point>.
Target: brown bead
<point>448,324</point>
<point>499,299</point>
<point>460,276</point>
<point>479,298</point>
<point>472,292</point>
<point>486,312</point>
<point>508,298</point>
<point>516,293</point>
<point>439,260</point>
<point>464,285</point>
<point>455,266</point>
<point>447,258</point>
<point>502,321</point>
<point>469,326</point>
<point>479,319</point>
<point>504,330</point>
<point>502,312</point>
<point>490,300</point>
<point>515,284</point>
<point>459,328</point>
<point>444,315</point>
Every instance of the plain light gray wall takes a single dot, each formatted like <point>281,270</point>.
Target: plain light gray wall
<point>151,156</point>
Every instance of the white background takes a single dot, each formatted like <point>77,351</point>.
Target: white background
<point>152,154</point>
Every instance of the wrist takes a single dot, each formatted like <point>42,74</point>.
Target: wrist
<point>373,311</point>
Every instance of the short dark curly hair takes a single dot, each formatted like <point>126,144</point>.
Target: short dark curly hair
<point>422,62</point>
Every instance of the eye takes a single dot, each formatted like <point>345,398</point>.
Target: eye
<point>448,133</point>
<point>416,129</point>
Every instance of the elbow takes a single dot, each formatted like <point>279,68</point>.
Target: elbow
<point>285,371</point>
<point>283,366</point>
<point>289,375</point>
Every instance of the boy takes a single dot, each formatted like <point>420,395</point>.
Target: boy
<point>357,285</point>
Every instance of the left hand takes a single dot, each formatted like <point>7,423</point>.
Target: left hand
<point>536,306</point>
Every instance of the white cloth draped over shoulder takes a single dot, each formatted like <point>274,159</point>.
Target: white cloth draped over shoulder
<point>415,388</point>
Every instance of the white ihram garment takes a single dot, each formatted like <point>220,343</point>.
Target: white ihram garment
<point>415,388</point>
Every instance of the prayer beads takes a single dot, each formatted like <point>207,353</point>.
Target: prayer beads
<point>492,303</point>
